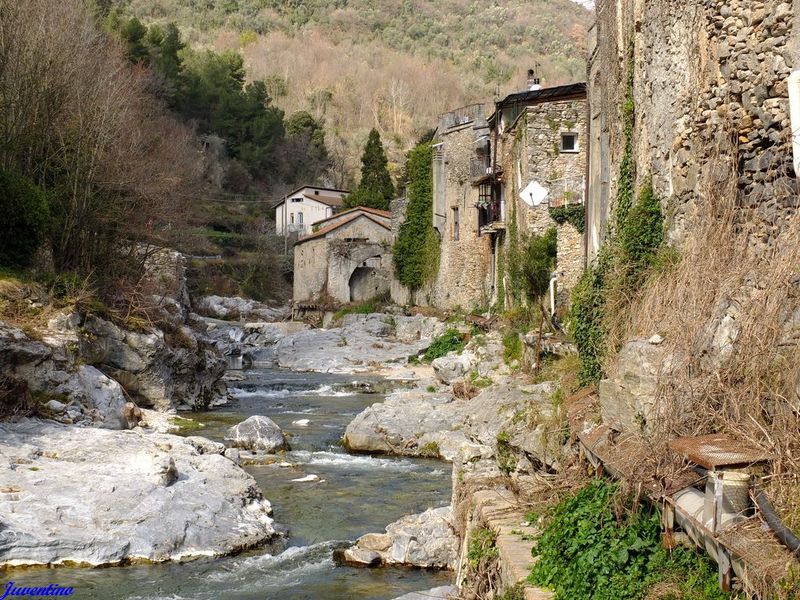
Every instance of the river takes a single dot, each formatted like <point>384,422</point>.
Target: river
<point>355,495</point>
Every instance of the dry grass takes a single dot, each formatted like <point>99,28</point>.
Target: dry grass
<point>729,311</point>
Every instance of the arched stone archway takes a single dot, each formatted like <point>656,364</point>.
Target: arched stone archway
<point>368,280</point>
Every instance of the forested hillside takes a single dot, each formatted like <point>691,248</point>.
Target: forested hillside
<point>392,65</point>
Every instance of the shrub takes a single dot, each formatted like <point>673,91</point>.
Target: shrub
<point>642,232</point>
<point>449,341</point>
<point>25,219</point>
<point>539,261</point>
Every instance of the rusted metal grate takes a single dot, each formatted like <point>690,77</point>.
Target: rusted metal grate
<point>718,451</point>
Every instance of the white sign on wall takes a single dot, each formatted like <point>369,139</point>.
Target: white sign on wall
<point>533,194</point>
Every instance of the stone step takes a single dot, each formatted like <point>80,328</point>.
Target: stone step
<point>500,512</point>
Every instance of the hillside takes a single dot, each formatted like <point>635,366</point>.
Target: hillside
<point>392,65</point>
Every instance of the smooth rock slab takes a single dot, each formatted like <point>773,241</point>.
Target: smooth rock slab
<point>257,433</point>
<point>440,593</point>
<point>98,497</point>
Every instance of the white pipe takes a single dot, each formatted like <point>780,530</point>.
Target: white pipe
<point>794,114</point>
<point>553,279</point>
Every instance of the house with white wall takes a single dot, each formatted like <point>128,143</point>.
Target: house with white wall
<point>298,211</point>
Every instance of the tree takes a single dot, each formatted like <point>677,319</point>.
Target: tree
<point>304,152</point>
<point>376,189</point>
<point>25,219</point>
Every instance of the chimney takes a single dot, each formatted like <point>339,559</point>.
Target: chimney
<point>533,82</point>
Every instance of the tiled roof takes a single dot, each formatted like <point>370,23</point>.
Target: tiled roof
<point>333,226</point>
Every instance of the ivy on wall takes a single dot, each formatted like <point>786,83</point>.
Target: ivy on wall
<point>624,261</point>
<point>574,214</point>
<point>416,250</point>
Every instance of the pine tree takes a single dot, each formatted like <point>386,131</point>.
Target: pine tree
<point>376,189</point>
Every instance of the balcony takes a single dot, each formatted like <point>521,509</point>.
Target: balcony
<point>480,167</point>
<point>491,218</point>
<point>461,116</point>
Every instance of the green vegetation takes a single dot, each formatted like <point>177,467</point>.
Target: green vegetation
<point>512,347</point>
<point>416,250</point>
<point>25,219</point>
<point>478,381</point>
<point>516,592</point>
<point>574,214</point>
<point>506,459</point>
<point>450,341</point>
<point>365,308</point>
<point>430,450</point>
<point>376,189</point>
<point>538,263</point>
<point>587,552</point>
<point>633,250</point>
<point>481,548</point>
<point>431,389</point>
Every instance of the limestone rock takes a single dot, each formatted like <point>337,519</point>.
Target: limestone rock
<point>437,593</point>
<point>454,366</point>
<point>417,423</point>
<point>257,433</point>
<point>240,308</point>
<point>628,396</point>
<point>98,497</point>
<point>426,540</point>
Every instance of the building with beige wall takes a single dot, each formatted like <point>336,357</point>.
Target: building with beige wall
<point>346,259</point>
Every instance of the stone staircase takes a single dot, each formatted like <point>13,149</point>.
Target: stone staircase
<point>498,510</point>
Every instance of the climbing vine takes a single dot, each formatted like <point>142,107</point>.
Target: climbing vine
<point>605,291</point>
<point>574,214</point>
<point>416,251</point>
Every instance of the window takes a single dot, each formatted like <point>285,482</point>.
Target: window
<point>455,224</point>
<point>569,142</point>
<point>300,218</point>
<point>297,199</point>
<point>291,218</point>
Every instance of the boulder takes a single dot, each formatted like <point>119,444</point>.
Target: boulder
<point>418,423</point>
<point>628,395</point>
<point>427,540</point>
<point>222,307</point>
<point>454,366</point>
<point>100,497</point>
<point>257,433</point>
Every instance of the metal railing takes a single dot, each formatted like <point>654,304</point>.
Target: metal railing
<point>461,116</point>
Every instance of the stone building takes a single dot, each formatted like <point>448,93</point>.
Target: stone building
<point>346,259</point>
<point>537,177</point>
<point>708,81</point>
<point>496,181</point>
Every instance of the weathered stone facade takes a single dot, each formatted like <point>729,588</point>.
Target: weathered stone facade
<point>466,255</point>
<point>349,260</point>
<point>531,151</point>
<point>709,88</point>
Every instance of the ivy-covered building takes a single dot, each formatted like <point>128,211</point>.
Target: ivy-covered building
<point>500,179</point>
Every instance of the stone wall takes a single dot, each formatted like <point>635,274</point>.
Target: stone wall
<point>709,85</point>
<point>465,263</point>
<point>310,269</point>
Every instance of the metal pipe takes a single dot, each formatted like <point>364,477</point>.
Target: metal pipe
<point>553,279</point>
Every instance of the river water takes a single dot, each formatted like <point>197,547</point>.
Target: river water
<point>355,495</point>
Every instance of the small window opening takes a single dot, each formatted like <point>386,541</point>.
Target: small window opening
<point>569,142</point>
<point>456,225</point>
